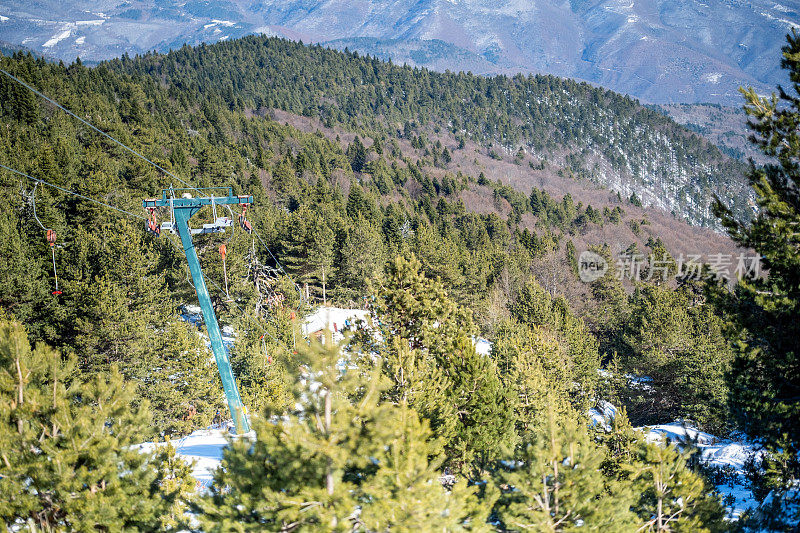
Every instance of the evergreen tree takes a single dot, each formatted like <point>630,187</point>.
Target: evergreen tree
<point>431,342</point>
<point>69,460</point>
<point>555,485</point>
<point>179,378</point>
<point>765,378</point>
<point>357,154</point>
<point>678,343</point>
<point>359,256</point>
<point>342,461</point>
<point>672,496</point>
<point>534,307</point>
<point>534,366</point>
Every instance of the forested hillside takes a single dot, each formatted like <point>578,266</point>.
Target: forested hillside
<point>595,133</point>
<point>379,202</point>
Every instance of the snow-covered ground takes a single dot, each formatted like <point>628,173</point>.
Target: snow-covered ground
<point>335,319</point>
<point>203,448</point>
<point>718,453</point>
<point>602,414</point>
<point>715,452</point>
<point>482,346</point>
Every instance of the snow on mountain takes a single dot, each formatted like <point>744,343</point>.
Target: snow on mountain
<point>661,51</point>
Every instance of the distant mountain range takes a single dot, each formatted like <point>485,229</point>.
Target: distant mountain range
<point>661,51</point>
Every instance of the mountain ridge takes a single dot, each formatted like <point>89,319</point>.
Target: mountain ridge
<point>661,51</point>
<point>590,133</point>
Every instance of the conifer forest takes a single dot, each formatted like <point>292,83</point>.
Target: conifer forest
<point>448,302</point>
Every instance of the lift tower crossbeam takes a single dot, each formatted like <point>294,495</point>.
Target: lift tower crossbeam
<point>183,208</point>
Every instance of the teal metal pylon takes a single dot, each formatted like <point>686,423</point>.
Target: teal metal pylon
<point>182,210</point>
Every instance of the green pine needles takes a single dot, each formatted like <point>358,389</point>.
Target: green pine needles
<point>68,454</point>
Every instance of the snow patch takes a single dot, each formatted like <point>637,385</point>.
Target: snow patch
<point>215,22</point>
<point>55,39</point>
<point>80,40</point>
<point>715,452</point>
<point>789,23</point>
<point>602,414</point>
<point>334,319</point>
<point>266,30</point>
<point>203,448</point>
<point>712,77</point>
<point>482,346</point>
<point>193,314</point>
<point>3,19</point>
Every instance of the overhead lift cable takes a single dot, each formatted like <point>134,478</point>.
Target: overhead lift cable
<point>242,218</point>
<point>50,232</point>
<point>98,130</point>
<point>188,207</point>
<point>73,193</point>
<point>38,181</point>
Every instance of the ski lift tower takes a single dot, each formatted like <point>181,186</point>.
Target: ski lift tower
<point>182,209</point>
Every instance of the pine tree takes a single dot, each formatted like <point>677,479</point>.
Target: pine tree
<point>555,484</point>
<point>24,282</point>
<point>765,378</point>
<point>534,307</point>
<point>679,344</point>
<point>69,460</point>
<point>620,440</point>
<point>357,154</point>
<point>256,361</point>
<point>341,461</point>
<point>359,256</point>
<point>673,497</point>
<point>533,365</point>
<point>427,338</point>
<point>178,377</point>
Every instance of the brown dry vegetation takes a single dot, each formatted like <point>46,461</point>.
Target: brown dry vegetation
<point>678,236</point>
